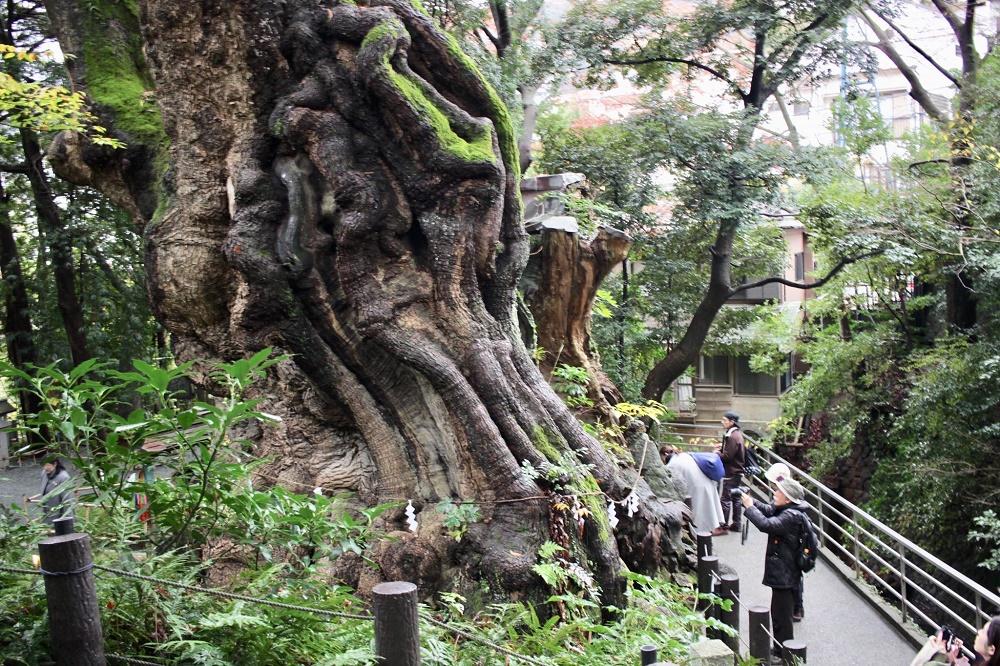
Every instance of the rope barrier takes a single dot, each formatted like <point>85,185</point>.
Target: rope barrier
<point>739,637</point>
<point>74,572</point>
<point>132,660</point>
<point>266,602</point>
<point>20,570</point>
<point>234,596</point>
<point>485,641</point>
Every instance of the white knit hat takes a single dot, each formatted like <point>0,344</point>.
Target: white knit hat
<point>778,471</point>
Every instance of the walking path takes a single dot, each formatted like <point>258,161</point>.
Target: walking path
<point>16,482</point>
<point>840,628</point>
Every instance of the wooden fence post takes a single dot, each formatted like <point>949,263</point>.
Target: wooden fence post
<point>397,624</point>
<point>704,543</point>
<point>794,652</point>
<point>64,525</point>
<point>74,618</point>
<point>707,565</point>
<point>760,630</point>
<point>729,588</point>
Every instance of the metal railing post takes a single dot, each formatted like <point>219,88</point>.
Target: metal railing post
<point>979,609</point>
<point>819,514</point>
<point>902,580</point>
<point>857,544</point>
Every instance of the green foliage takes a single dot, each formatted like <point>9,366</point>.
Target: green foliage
<point>202,487</point>
<point>580,639</point>
<point>572,383</point>
<point>44,107</point>
<point>858,123</point>
<point>988,533</point>
<point>458,517</point>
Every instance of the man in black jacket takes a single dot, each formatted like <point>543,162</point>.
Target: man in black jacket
<point>732,450</point>
<point>782,522</point>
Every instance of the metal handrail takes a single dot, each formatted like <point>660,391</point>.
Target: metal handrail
<point>912,558</point>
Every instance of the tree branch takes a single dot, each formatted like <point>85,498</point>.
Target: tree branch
<point>493,39</point>
<point>913,45</point>
<point>793,133</point>
<point>501,19</point>
<point>949,16</point>
<point>917,90</point>
<point>801,285</point>
<point>681,61</point>
<point>923,162</point>
<point>19,167</point>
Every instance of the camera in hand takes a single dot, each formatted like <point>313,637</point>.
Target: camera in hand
<point>947,636</point>
<point>737,492</point>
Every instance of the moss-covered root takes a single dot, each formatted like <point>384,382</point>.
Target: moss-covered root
<point>422,116</point>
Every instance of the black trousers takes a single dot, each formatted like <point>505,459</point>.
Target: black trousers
<point>798,594</point>
<point>782,605</point>
<point>728,484</point>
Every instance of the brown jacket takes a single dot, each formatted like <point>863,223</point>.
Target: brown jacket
<point>733,453</point>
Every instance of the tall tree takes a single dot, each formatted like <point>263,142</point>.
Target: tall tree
<point>343,186</point>
<point>748,50</point>
<point>960,19</point>
<point>20,22</point>
<point>18,332</point>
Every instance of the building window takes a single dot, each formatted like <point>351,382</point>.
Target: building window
<point>787,377</point>
<point>800,265</point>
<point>714,370</point>
<point>769,292</point>
<point>749,382</point>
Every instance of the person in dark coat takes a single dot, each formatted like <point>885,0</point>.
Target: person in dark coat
<point>55,495</point>
<point>732,451</point>
<point>782,522</point>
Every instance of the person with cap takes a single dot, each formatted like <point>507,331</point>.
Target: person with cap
<point>732,451</point>
<point>782,523</point>
<point>773,473</point>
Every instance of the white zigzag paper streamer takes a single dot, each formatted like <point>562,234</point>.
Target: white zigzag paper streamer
<point>411,516</point>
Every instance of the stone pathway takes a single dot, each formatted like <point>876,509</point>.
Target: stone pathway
<point>840,628</point>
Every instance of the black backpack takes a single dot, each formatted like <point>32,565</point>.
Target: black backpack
<point>751,465</point>
<point>808,546</point>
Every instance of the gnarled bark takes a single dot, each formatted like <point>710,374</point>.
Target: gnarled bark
<point>345,189</point>
<point>567,271</point>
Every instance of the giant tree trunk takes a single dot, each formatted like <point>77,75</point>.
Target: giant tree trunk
<point>567,272</point>
<point>345,189</point>
<point>18,333</point>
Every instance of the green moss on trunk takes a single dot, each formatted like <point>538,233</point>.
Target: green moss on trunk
<point>477,148</point>
<point>541,440</point>
<point>116,72</point>
<point>594,501</point>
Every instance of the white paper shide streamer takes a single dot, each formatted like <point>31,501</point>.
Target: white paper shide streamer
<point>612,515</point>
<point>631,504</point>
<point>411,516</point>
